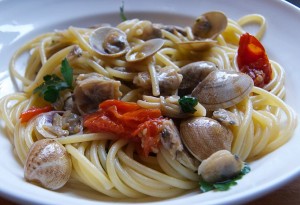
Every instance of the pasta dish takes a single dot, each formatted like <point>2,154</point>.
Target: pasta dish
<point>146,109</point>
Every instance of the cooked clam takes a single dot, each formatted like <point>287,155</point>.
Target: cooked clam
<point>223,89</point>
<point>168,79</point>
<point>194,73</point>
<point>170,138</point>
<point>226,117</point>
<point>109,42</point>
<point>56,124</point>
<point>150,31</point>
<point>205,29</point>
<point>48,164</point>
<point>144,50</point>
<point>92,89</point>
<point>171,28</point>
<point>209,25</point>
<point>220,166</point>
<point>171,141</point>
<point>203,136</point>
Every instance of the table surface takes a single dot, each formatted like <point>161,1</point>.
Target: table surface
<point>288,194</point>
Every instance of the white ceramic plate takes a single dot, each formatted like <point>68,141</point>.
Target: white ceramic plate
<point>22,20</point>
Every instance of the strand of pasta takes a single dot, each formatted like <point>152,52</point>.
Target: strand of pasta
<point>154,79</point>
<point>166,167</point>
<point>264,137</point>
<point>86,138</point>
<point>154,174</point>
<point>247,146</point>
<point>98,68</point>
<point>102,154</point>
<point>89,167</point>
<point>47,68</point>
<point>19,52</point>
<point>189,174</point>
<point>241,131</point>
<point>92,180</point>
<point>143,187</point>
<point>111,170</point>
<point>291,122</point>
<point>277,83</point>
<point>127,76</point>
<point>6,109</point>
<point>254,18</point>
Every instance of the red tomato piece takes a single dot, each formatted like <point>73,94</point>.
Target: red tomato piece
<point>149,132</point>
<point>33,111</point>
<point>253,60</point>
<point>127,120</point>
<point>122,107</point>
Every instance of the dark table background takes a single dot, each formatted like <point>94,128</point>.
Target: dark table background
<point>287,195</point>
<point>296,2</point>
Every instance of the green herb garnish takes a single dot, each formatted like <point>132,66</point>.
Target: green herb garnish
<point>122,15</point>
<point>52,84</point>
<point>67,72</point>
<point>187,104</point>
<point>225,185</point>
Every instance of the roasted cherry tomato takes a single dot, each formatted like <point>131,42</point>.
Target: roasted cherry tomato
<point>33,111</point>
<point>253,60</point>
<point>127,120</point>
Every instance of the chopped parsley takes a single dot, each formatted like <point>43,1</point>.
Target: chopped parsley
<point>122,15</point>
<point>188,104</point>
<point>225,185</point>
<point>53,84</point>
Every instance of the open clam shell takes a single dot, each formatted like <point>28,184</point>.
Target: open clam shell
<point>205,29</point>
<point>210,25</point>
<point>144,50</point>
<point>109,42</point>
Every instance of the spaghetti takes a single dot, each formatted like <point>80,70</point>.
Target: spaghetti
<point>112,165</point>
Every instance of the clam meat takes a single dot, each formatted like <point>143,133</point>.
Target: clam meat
<point>220,166</point>
<point>92,89</point>
<point>109,42</point>
<point>226,117</point>
<point>150,31</point>
<point>205,29</point>
<point>171,141</point>
<point>209,25</point>
<point>56,124</point>
<point>168,79</point>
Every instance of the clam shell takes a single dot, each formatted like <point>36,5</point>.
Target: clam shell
<point>144,50</point>
<point>210,25</point>
<point>48,163</point>
<point>195,72</point>
<point>109,42</point>
<point>45,119</point>
<point>203,136</point>
<point>223,89</point>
